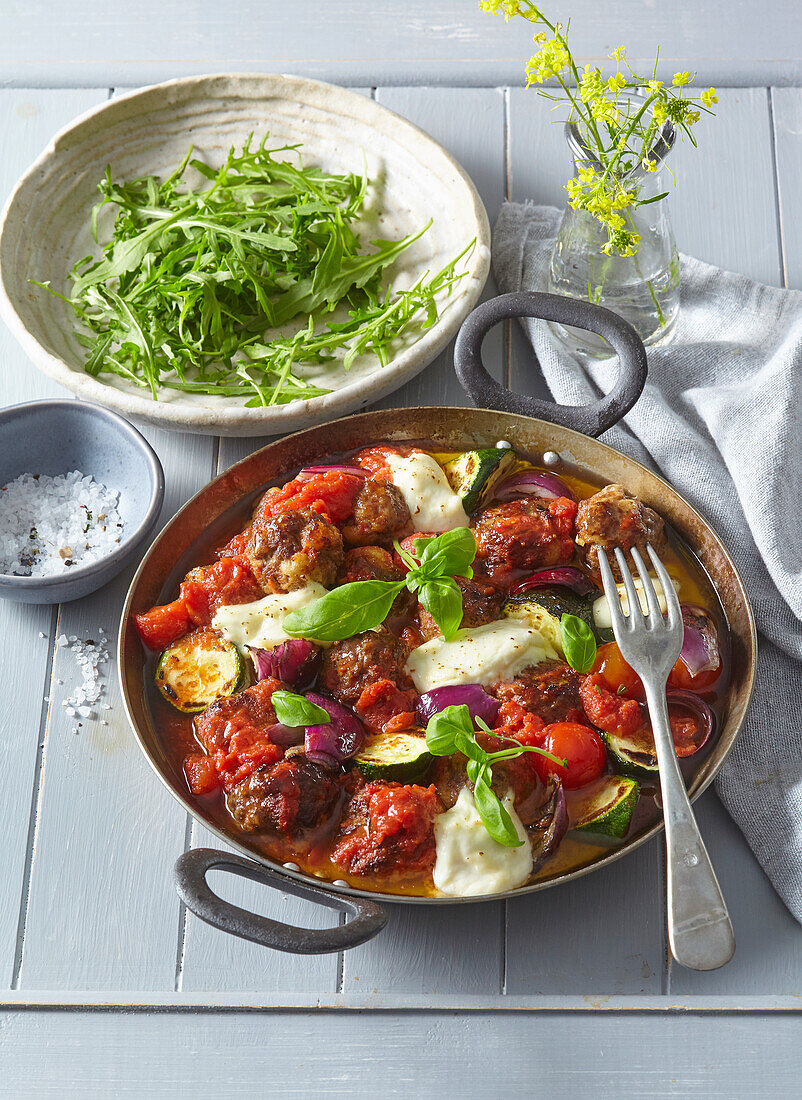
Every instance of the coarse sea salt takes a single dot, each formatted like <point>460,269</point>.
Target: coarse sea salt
<point>90,656</point>
<point>50,524</point>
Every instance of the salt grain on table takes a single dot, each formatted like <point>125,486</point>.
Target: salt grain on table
<point>90,656</point>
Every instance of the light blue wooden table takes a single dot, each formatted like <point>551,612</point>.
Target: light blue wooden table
<point>109,987</point>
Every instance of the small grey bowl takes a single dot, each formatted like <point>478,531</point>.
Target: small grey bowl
<point>54,437</point>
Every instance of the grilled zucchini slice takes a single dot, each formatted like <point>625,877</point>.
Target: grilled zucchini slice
<point>473,475</point>
<point>197,669</point>
<point>402,757</point>
<point>607,809</point>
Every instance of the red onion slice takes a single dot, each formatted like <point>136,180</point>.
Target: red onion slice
<point>533,483</point>
<point>340,738</point>
<point>473,696</point>
<point>567,576</point>
<point>699,708</point>
<point>285,735</point>
<point>310,471</point>
<point>546,833</point>
<point>294,662</point>
<point>700,650</point>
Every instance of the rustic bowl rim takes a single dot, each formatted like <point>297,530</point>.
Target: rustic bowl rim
<point>114,561</point>
<point>239,421</point>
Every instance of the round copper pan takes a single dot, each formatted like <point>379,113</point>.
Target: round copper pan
<point>451,429</point>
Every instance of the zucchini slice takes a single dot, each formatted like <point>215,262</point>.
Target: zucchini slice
<point>532,613</point>
<point>402,757</point>
<point>473,475</point>
<point>542,609</point>
<point>634,753</point>
<point>607,809</point>
<point>197,669</point>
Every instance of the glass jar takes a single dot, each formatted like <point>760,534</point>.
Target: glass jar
<point>644,288</point>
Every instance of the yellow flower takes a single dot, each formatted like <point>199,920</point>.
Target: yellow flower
<point>709,97</point>
<point>681,79</point>
<point>616,82</point>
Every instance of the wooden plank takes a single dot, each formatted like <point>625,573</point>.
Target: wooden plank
<point>787,120</point>
<point>611,923</point>
<point>399,41</point>
<point>107,832</point>
<point>177,1056</point>
<point>30,119</point>
<point>443,950</point>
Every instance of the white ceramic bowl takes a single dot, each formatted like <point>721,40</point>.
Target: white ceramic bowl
<point>45,225</point>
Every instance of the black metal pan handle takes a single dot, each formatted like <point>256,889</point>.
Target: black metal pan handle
<point>190,873</point>
<point>592,419</point>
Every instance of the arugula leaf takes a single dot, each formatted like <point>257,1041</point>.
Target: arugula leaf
<point>295,710</point>
<point>189,279</point>
<point>578,642</point>
<point>343,612</point>
<point>443,600</point>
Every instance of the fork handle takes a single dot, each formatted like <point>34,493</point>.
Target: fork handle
<point>699,929</point>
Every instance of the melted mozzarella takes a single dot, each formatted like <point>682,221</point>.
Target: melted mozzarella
<point>259,624</point>
<point>468,861</point>
<point>432,503</point>
<point>601,608</point>
<point>478,655</point>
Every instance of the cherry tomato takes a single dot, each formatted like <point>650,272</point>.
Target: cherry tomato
<point>580,746</point>
<point>620,678</point>
<point>680,677</point>
<point>408,544</point>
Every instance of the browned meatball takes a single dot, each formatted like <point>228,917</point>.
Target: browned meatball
<point>349,667</point>
<point>550,690</point>
<point>380,515</point>
<point>373,563</point>
<point>251,709</point>
<point>524,534</point>
<point>388,828</point>
<point>613,517</point>
<point>291,549</point>
<point>481,603</point>
<point>288,797</point>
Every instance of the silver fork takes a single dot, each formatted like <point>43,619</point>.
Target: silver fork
<point>699,929</point>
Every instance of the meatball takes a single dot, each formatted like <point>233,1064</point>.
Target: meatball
<point>380,515</point>
<point>372,563</point>
<point>288,797</point>
<point>517,775</point>
<point>351,666</point>
<point>248,711</point>
<point>524,534</point>
<point>613,517</point>
<point>481,603</point>
<point>388,828</point>
<point>288,550</point>
<point>550,690</point>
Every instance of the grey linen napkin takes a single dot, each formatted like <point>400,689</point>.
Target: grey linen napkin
<point>721,418</point>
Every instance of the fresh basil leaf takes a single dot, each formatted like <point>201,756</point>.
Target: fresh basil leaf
<point>443,728</point>
<point>474,768</point>
<point>343,612</point>
<point>443,600</point>
<point>295,710</point>
<point>493,814</point>
<point>466,744</point>
<point>450,554</point>
<point>405,556</point>
<point>579,645</point>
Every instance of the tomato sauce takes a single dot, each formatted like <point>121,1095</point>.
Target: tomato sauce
<point>221,574</point>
